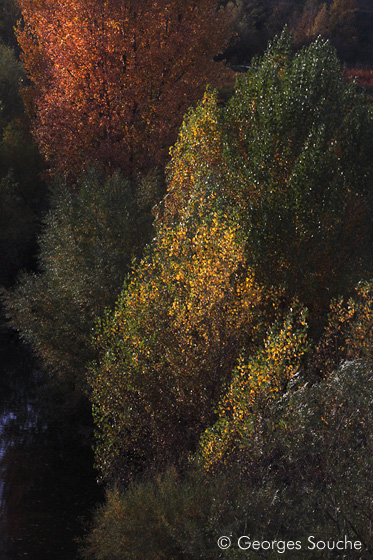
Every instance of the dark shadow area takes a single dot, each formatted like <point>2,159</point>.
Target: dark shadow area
<point>48,486</point>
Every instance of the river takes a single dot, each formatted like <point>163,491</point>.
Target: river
<point>48,487</point>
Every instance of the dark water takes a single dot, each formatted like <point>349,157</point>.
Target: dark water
<point>47,484</point>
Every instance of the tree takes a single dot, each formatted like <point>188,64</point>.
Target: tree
<point>172,516</point>
<point>262,195</point>
<point>336,22</point>
<point>265,193</point>
<point>321,25</point>
<point>86,248</point>
<point>327,443</point>
<point>343,22</point>
<point>111,80</point>
<point>251,19</point>
<point>290,154</point>
<point>248,413</point>
<point>305,27</point>
<point>171,343</point>
<point>244,413</point>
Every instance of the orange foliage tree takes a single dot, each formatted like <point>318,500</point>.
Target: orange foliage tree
<point>110,80</point>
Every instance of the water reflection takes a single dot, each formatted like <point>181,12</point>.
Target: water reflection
<point>47,482</point>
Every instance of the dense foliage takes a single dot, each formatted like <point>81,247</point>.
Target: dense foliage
<point>111,80</point>
<point>226,352</point>
<point>310,475</point>
<point>170,344</point>
<point>89,239</point>
<point>263,193</point>
<point>290,152</point>
<point>210,363</point>
<point>335,21</point>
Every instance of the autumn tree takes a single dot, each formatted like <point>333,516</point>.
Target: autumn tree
<point>310,21</point>
<point>244,415</point>
<point>111,80</point>
<point>171,343</point>
<point>252,410</point>
<point>290,153</point>
<point>335,21</point>
<point>275,462</point>
<point>207,358</point>
<point>263,196</point>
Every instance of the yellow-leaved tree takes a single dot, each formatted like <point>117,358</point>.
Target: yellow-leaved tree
<point>172,342</point>
<point>245,420</point>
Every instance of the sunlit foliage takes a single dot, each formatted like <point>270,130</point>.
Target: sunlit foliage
<point>290,152</point>
<point>246,411</point>
<point>348,334</point>
<point>208,359</point>
<point>111,79</point>
<point>244,422</point>
<point>263,203</point>
<point>171,342</point>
